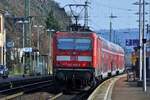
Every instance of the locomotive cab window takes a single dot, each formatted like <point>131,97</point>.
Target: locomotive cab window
<point>74,44</point>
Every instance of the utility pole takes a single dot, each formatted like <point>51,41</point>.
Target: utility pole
<point>2,41</point>
<point>28,34</point>
<point>23,22</point>
<point>142,60</point>
<point>27,26</point>
<point>140,39</point>
<point>110,33</point>
<point>38,43</point>
<point>114,37</point>
<point>86,14</point>
<point>50,32</point>
<point>4,47</point>
<point>144,48</point>
<point>38,34</point>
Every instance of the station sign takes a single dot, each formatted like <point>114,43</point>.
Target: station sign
<point>27,49</point>
<point>132,42</point>
<point>10,44</point>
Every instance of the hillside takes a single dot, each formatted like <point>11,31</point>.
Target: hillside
<point>39,10</point>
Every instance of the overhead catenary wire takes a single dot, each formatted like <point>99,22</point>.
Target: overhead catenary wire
<point>118,8</point>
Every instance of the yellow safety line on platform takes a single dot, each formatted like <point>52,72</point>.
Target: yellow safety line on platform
<point>109,89</point>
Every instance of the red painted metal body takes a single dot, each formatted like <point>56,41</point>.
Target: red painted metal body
<point>102,58</point>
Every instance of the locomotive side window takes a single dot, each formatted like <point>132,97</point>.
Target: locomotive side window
<point>74,44</point>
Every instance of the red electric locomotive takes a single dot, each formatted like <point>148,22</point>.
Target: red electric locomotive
<point>85,56</point>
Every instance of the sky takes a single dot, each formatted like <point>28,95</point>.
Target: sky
<point>100,10</point>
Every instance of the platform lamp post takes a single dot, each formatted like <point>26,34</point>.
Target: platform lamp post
<point>23,22</point>
<point>50,32</point>
<point>38,41</point>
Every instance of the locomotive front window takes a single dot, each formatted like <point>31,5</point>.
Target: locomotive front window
<point>74,44</point>
<point>65,44</point>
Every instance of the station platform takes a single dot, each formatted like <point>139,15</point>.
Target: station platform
<point>128,90</point>
<point>119,88</point>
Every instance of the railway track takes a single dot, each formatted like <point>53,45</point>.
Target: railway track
<point>20,90</point>
<point>75,94</point>
<point>55,91</point>
<point>16,82</point>
<point>80,94</point>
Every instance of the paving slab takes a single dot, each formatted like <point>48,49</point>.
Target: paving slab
<point>128,90</point>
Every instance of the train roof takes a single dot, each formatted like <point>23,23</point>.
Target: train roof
<point>76,32</point>
<point>112,45</point>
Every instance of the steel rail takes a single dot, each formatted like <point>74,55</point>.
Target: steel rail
<point>24,89</point>
<point>24,86</point>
